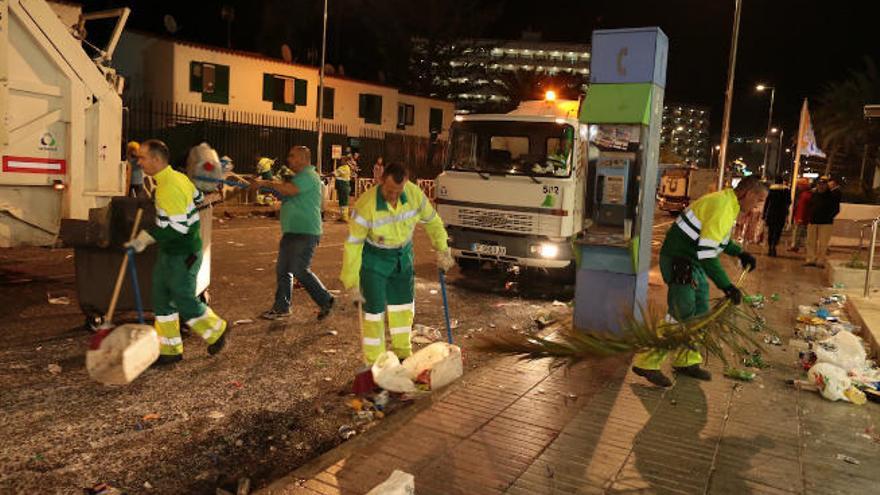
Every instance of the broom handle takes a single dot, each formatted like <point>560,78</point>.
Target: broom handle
<point>121,275</point>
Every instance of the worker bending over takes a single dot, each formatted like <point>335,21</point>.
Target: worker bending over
<point>690,254</point>
<point>377,263</point>
<point>179,258</point>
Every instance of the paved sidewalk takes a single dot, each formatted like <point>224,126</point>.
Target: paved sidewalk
<point>520,428</point>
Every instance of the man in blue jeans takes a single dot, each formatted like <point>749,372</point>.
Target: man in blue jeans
<point>301,228</point>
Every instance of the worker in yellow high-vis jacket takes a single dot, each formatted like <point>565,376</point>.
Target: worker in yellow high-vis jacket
<point>179,257</point>
<point>377,264</point>
<point>688,257</point>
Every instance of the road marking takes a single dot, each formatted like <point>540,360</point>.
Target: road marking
<point>664,224</point>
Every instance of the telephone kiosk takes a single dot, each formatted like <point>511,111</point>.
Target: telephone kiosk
<point>623,110</point>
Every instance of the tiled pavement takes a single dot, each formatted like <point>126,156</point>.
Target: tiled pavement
<point>521,428</point>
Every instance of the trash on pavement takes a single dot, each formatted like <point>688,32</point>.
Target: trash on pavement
<point>332,333</point>
<point>245,321</point>
<point>755,360</point>
<point>54,368</point>
<point>831,381</point>
<point>739,374</point>
<point>63,300</point>
<point>772,340</point>
<point>216,415</point>
<point>399,483</point>
<point>102,489</point>
<point>844,350</point>
<point>559,303</point>
<point>151,417</point>
<point>438,364</point>
<point>423,334</point>
<point>847,459</point>
<point>346,432</point>
<point>244,486</point>
<point>123,354</point>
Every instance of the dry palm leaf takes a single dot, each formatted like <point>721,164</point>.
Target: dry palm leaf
<point>725,326</point>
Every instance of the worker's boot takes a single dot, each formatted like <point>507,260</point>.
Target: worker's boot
<point>219,344</point>
<point>166,359</point>
<point>694,371</point>
<point>654,376</point>
<point>325,309</point>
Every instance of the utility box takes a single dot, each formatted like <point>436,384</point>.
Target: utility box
<point>61,131</point>
<point>623,110</point>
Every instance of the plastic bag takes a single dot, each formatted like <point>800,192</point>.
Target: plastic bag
<point>831,381</point>
<point>843,350</point>
<point>203,161</point>
<point>399,483</point>
<point>436,366</point>
<point>123,354</point>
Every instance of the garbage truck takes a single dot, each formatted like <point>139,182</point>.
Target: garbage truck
<point>513,189</point>
<point>681,185</point>
<point>61,131</point>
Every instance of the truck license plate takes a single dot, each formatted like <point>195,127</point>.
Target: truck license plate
<point>489,249</point>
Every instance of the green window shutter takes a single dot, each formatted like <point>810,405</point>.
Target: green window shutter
<point>329,94</point>
<point>221,86</point>
<point>376,110</point>
<point>195,77</point>
<point>362,106</point>
<point>268,87</point>
<point>300,91</point>
<point>280,106</point>
<point>436,121</point>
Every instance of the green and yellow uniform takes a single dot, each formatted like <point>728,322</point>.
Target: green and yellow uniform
<point>699,235</point>
<point>343,187</point>
<point>378,258</point>
<point>177,264</point>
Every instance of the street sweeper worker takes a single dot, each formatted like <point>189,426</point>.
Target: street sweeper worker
<point>377,262</point>
<point>688,257</point>
<point>179,257</point>
<point>343,188</point>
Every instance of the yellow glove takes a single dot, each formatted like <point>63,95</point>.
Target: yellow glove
<point>141,242</point>
<point>445,260</point>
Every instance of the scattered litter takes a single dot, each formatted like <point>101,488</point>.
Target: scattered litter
<point>454,324</point>
<point>559,303</point>
<point>839,285</point>
<point>847,459</point>
<point>432,367</point>
<point>332,332</point>
<point>423,334</point>
<point>433,292</point>
<point>148,485</point>
<point>772,340</point>
<point>399,483</point>
<point>216,415</point>
<point>329,351</point>
<point>244,486</point>
<point>755,360</point>
<point>491,325</point>
<point>54,368</point>
<point>68,256</point>
<point>236,384</point>
<point>774,297</point>
<point>300,446</point>
<point>673,401</point>
<point>346,432</point>
<point>544,319</point>
<point>63,300</point>
<point>260,269</point>
<point>239,442</point>
<point>246,321</point>
<point>738,374</point>
<point>102,489</point>
<point>356,404</point>
<point>381,399</point>
<point>509,285</point>
<point>328,379</point>
<point>151,417</point>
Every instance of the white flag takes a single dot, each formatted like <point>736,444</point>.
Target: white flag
<point>807,145</point>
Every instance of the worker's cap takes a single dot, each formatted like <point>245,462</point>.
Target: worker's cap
<point>266,162</point>
<point>133,146</point>
<point>824,178</point>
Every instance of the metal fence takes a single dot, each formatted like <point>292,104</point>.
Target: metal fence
<point>246,136</point>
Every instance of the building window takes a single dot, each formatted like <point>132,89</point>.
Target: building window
<point>435,123</point>
<point>284,92</point>
<point>211,80</point>
<point>370,108</point>
<point>405,115</point>
<point>329,97</point>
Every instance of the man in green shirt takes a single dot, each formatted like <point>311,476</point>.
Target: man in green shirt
<point>301,228</point>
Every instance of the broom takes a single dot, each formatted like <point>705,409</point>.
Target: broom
<point>712,333</point>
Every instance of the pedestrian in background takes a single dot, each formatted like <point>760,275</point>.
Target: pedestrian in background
<point>775,213</point>
<point>801,213</point>
<point>301,232</point>
<point>824,207</point>
<point>378,170</point>
<point>135,171</point>
<point>343,175</point>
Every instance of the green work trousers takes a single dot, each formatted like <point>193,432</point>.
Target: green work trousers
<point>685,301</point>
<point>174,297</point>
<point>387,283</point>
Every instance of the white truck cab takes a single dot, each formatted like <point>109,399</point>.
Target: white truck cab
<point>514,186</point>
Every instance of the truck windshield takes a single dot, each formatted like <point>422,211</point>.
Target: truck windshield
<point>512,148</point>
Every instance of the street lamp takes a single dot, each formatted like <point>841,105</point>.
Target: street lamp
<point>712,151</point>
<point>762,88</point>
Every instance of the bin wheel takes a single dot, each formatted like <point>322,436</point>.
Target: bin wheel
<point>205,297</point>
<point>468,264</point>
<point>93,322</point>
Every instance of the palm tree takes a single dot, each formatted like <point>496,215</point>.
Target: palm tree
<point>842,130</point>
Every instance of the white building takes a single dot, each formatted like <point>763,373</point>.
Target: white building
<point>188,73</point>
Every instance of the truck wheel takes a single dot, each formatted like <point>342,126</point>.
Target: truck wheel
<point>467,264</point>
<point>566,275</point>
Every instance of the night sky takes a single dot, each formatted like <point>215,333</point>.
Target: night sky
<point>797,45</point>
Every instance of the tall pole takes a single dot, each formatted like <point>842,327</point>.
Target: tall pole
<point>767,134</point>
<point>779,153</point>
<point>728,95</point>
<point>320,159</point>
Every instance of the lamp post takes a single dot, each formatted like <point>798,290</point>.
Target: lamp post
<point>762,88</point>
<point>712,151</point>
<point>320,157</point>
<point>728,93</point>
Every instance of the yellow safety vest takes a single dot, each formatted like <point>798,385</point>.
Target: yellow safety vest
<point>343,172</point>
<point>377,223</point>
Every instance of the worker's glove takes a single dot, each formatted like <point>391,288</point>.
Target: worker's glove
<point>141,242</point>
<point>444,260</point>
<point>747,261</point>
<point>355,294</point>
<point>734,294</point>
